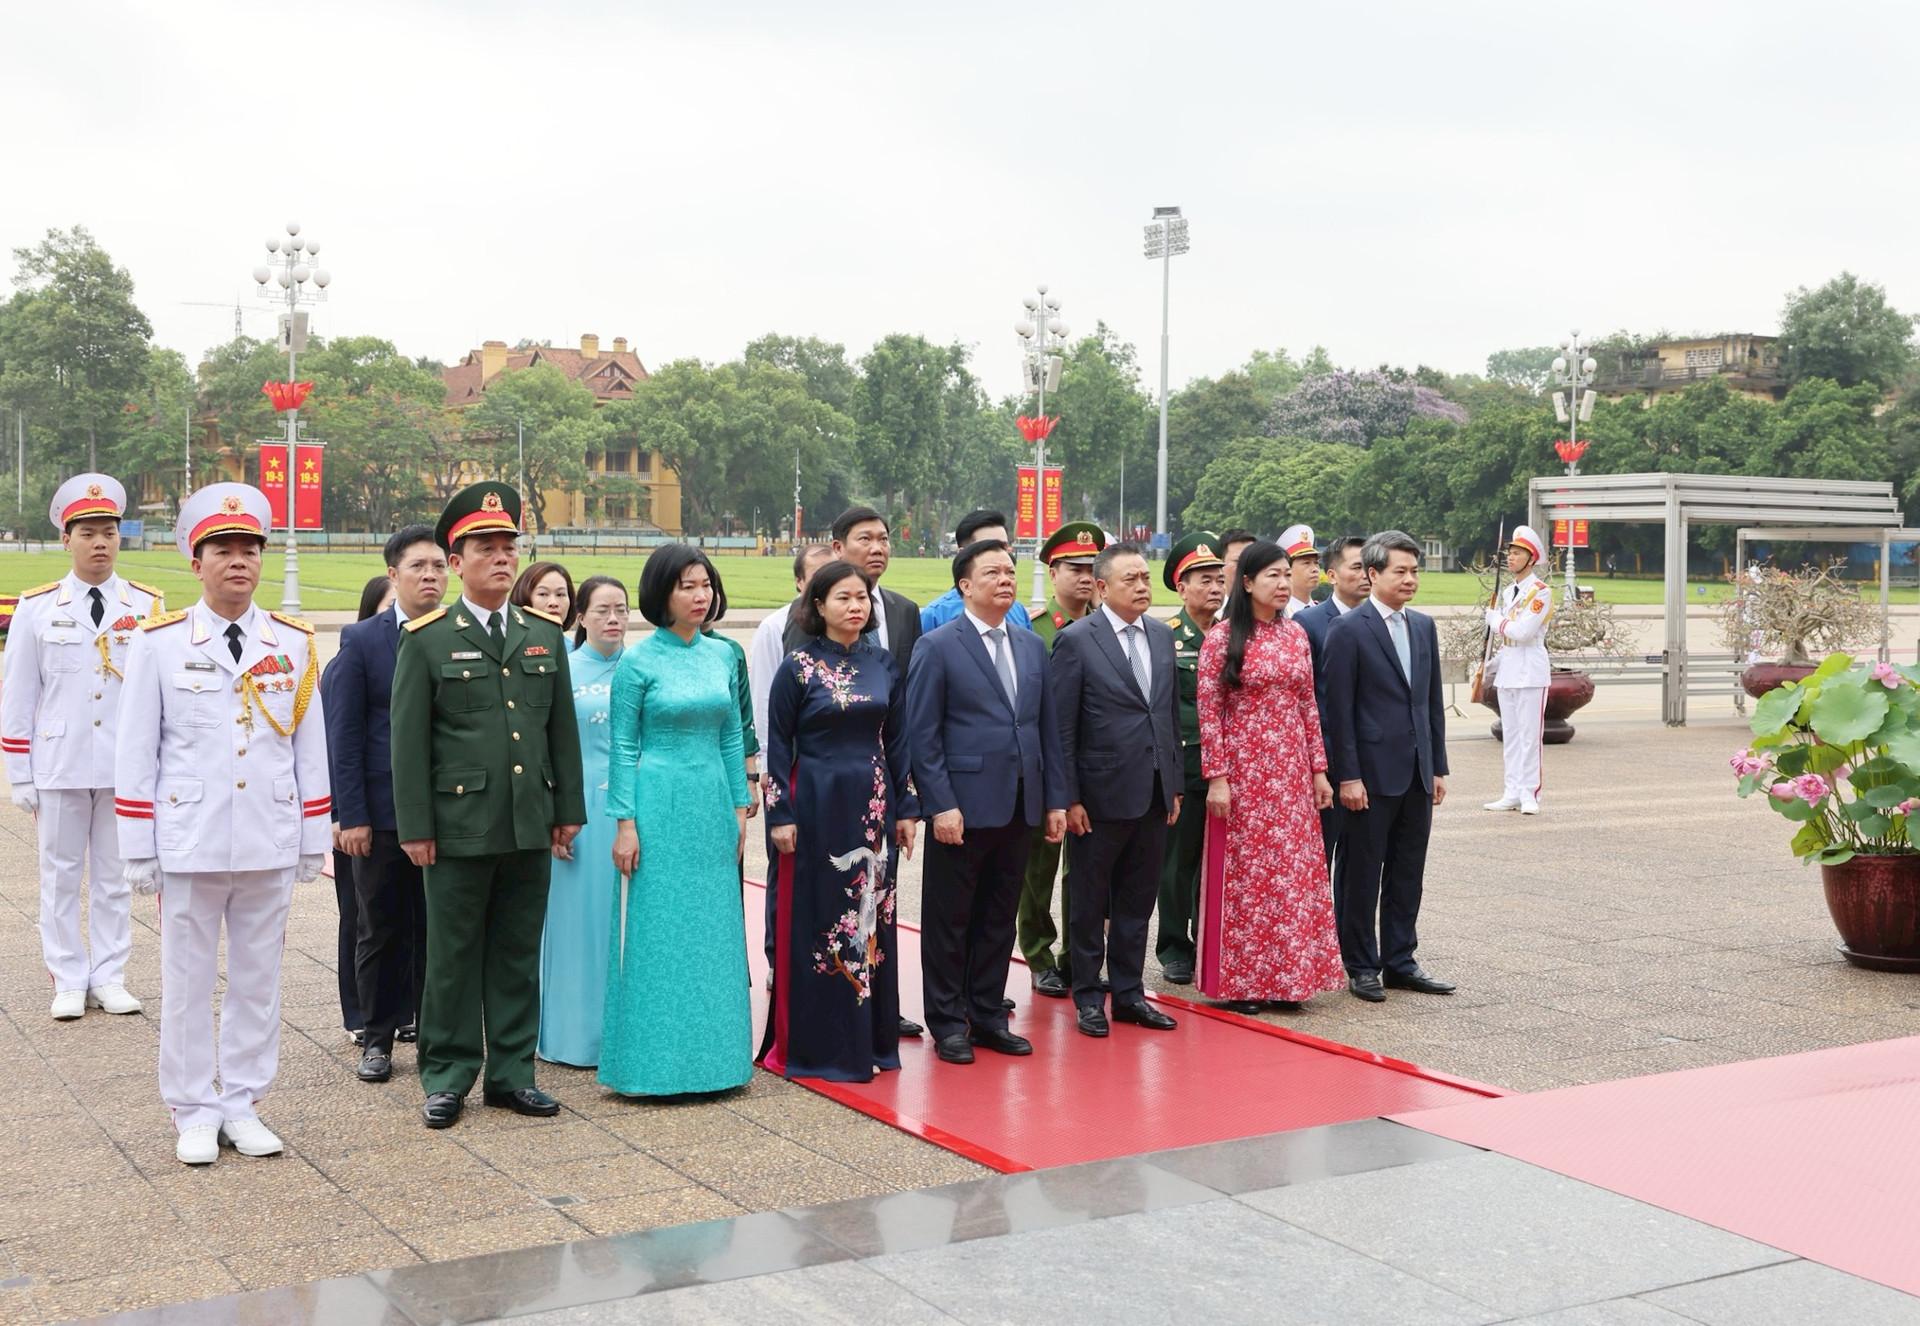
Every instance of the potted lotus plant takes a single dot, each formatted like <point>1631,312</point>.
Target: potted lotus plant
<point>1837,753</point>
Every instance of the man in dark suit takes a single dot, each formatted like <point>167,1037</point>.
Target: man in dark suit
<point>390,946</point>
<point>987,764</point>
<point>1117,702</point>
<point>1380,692</point>
<point>1349,592</point>
<point>862,536</point>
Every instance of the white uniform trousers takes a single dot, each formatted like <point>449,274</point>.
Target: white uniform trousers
<point>254,905</point>
<point>80,847</point>
<point>1523,718</point>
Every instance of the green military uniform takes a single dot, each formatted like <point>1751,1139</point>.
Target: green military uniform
<point>486,762</point>
<point>1179,903</point>
<point>1078,541</point>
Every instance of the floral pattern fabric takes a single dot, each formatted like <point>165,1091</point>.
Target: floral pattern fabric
<point>1266,910</point>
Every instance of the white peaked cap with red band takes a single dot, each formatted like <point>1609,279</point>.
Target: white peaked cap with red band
<point>87,497</point>
<point>1524,537</point>
<point>221,508</point>
<point>1297,541</point>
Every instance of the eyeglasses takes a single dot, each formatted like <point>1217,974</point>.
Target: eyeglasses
<point>607,610</point>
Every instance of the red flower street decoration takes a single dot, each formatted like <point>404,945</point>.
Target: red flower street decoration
<point>1570,452</point>
<point>1034,429</point>
<point>286,395</point>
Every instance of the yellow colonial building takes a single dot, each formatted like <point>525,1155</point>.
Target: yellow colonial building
<point>1750,365</point>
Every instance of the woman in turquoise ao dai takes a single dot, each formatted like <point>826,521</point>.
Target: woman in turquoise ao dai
<point>580,903</point>
<point>679,1016</point>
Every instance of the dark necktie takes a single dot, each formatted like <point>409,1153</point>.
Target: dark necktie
<point>1136,655</point>
<point>99,605</point>
<point>495,634</point>
<point>233,640</point>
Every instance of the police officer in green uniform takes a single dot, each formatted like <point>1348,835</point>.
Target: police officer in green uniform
<point>487,790</point>
<point>1069,558</point>
<point>1195,571</point>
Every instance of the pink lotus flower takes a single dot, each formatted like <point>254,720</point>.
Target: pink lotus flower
<point>1783,790</point>
<point>1747,763</point>
<point>1908,806</point>
<point>1888,676</point>
<point>1811,788</point>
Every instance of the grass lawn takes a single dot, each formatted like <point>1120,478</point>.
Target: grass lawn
<point>330,582</point>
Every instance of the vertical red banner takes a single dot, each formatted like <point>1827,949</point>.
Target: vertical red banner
<point>273,480</point>
<point>1026,508</point>
<point>306,486</point>
<point>1050,501</point>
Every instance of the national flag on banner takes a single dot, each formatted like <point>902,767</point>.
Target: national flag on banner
<point>307,486</point>
<point>273,480</point>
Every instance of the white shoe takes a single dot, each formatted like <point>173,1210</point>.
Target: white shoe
<point>69,1004</point>
<point>198,1146</point>
<point>113,998</point>
<point>1504,803</point>
<point>249,1137</point>
<point>1529,807</point>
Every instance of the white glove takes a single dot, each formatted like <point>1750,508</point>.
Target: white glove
<point>309,869</point>
<point>1494,618</point>
<point>27,797</point>
<point>142,874</point>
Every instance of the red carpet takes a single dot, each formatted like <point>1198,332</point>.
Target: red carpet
<point>1217,1076</point>
<point>1816,1154</point>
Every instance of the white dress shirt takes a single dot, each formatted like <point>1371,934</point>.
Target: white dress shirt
<point>765,654</point>
<point>1138,644</point>
<point>984,628</point>
<point>880,619</point>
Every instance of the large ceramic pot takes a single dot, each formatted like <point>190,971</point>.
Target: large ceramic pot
<point>1875,904</point>
<point>1568,689</point>
<point>1759,678</point>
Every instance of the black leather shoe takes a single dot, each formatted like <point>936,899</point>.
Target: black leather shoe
<point>1001,1041</point>
<point>375,1066</point>
<point>408,1033</point>
<point>1178,971</point>
<point>1366,985</point>
<point>1143,1014</point>
<point>1418,980</point>
<point>527,1100</point>
<point>1007,1005</point>
<point>442,1109</point>
<point>1052,984</point>
<point>1244,1007</point>
<point>908,1027</point>
<point>1091,1021</point>
<point>954,1049</point>
<point>1284,1005</point>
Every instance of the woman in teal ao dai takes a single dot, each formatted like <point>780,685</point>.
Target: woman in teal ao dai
<point>580,903</point>
<point>679,1016</point>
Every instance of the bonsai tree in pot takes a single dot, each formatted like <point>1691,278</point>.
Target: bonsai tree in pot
<point>1838,755</point>
<point>1585,628</point>
<point>1778,620</point>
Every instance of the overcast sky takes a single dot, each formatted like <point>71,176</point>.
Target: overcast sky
<point>1399,182</point>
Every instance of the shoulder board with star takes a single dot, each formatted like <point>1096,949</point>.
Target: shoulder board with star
<point>294,622</point>
<point>155,594</point>
<point>543,616</point>
<point>164,619</point>
<point>415,623</point>
<point>38,590</point>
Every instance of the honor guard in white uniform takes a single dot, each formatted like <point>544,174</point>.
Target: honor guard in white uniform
<point>1303,567</point>
<point>223,801</point>
<point>1521,671</point>
<point>57,726</point>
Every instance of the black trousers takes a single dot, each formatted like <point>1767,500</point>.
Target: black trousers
<point>968,898</point>
<point>1114,871</point>
<point>390,946</point>
<point>351,1017</point>
<point>1383,852</point>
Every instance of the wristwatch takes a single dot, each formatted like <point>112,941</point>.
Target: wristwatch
<point>753,777</point>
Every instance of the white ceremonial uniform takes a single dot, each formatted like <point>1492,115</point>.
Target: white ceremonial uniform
<point>1521,677</point>
<point>58,708</point>
<point>222,775</point>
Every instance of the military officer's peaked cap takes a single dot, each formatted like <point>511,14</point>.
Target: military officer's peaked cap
<point>1077,542</point>
<point>481,508</point>
<point>1297,541</point>
<point>221,508</point>
<point>1199,549</point>
<point>87,497</point>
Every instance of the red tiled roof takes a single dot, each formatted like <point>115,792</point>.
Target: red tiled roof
<point>609,376</point>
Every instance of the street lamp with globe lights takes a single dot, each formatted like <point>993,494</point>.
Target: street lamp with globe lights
<point>1574,370</point>
<point>1043,334</point>
<point>290,267</point>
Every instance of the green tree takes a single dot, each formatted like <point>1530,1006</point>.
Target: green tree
<point>1528,368</point>
<point>1823,430</point>
<point>154,436</point>
<point>902,413</point>
<point>822,365</point>
<point>376,410</point>
<point>1202,418</point>
<point>1276,373</point>
<point>1299,482</point>
<point>562,424</point>
<point>1846,331</point>
<point>1103,415</point>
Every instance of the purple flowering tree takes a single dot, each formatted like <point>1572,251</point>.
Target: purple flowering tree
<point>1356,408</point>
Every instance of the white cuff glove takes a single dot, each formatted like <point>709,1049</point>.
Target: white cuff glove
<point>1494,618</point>
<point>27,797</point>
<point>309,869</point>
<point>142,874</point>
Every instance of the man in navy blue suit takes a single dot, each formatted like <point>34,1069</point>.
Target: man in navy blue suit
<point>1387,744</point>
<point>987,765</point>
<point>1349,592</point>
<point>391,945</point>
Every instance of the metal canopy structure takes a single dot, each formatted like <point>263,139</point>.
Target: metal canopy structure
<point>1785,508</point>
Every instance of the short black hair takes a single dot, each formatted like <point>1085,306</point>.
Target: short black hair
<point>811,620</point>
<point>1374,552</point>
<point>1112,553</point>
<point>1341,544</point>
<point>974,521</point>
<point>856,515</point>
<point>801,554</point>
<point>1234,536</point>
<point>405,538</point>
<point>661,576</point>
<point>964,559</point>
<point>372,592</point>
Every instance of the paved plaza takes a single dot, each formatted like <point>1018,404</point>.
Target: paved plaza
<point>1648,921</point>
